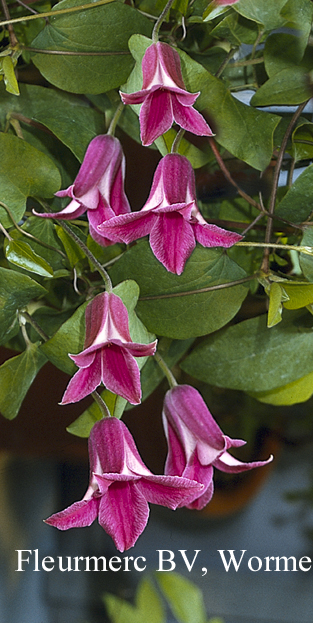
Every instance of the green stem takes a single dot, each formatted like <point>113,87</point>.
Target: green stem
<point>101,404</point>
<point>158,24</point>
<point>115,119</point>
<point>288,247</point>
<point>272,199</point>
<point>35,326</point>
<point>165,369</point>
<point>176,141</point>
<point>225,62</point>
<point>91,257</point>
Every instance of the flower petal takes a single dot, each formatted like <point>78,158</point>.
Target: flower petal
<point>73,210</point>
<point>78,515</point>
<point>172,241</point>
<point>171,491</point>
<point>213,236</point>
<point>156,116</point>
<point>123,514</point>
<point>227,463</point>
<point>84,382</point>
<point>120,373</point>
<point>189,118</point>
<point>128,227</point>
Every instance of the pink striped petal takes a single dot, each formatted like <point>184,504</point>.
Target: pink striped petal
<point>73,210</point>
<point>84,382</point>
<point>78,515</point>
<point>189,119</point>
<point>128,227</point>
<point>123,513</point>
<point>213,236</point>
<point>171,491</point>
<point>227,463</point>
<point>156,116</point>
<point>172,241</point>
<point>120,373</point>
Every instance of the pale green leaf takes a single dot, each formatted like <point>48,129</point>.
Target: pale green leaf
<point>16,377</point>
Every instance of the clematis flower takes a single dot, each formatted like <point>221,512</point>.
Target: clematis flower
<point>120,487</point>
<point>98,187</point>
<point>171,217</point>
<point>109,353</point>
<point>196,443</point>
<point>164,97</point>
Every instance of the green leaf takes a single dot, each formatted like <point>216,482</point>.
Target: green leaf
<point>296,205</point>
<point>16,377</point>
<point>148,608</point>
<point>10,81</point>
<point>70,119</point>
<point>183,315</point>
<point>299,295</point>
<point>16,290</point>
<point>250,357</point>
<point>184,597</point>
<point>290,394</point>
<point>105,28</point>
<point>275,306</point>
<point>299,13</point>
<point>72,249</point>
<point>24,172</point>
<point>20,253</point>
<point>245,132</point>
<point>44,230</point>
<point>266,12</point>
<point>68,339</point>
<point>302,142</point>
<point>288,86</point>
<point>282,51</point>
<point>149,603</point>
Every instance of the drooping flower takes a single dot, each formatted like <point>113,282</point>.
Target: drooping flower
<point>109,353</point>
<point>171,217</point>
<point>196,444</point>
<point>164,97</point>
<point>98,187</point>
<point>120,487</point>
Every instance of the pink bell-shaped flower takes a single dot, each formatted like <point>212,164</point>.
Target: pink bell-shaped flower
<point>171,217</point>
<point>98,187</point>
<point>196,443</point>
<point>164,97</point>
<point>120,487</point>
<point>109,353</point>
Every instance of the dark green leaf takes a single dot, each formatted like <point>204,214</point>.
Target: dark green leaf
<point>24,172</point>
<point>296,205</point>
<point>282,51</point>
<point>253,358</point>
<point>68,339</point>
<point>266,12</point>
<point>288,86</point>
<point>70,119</point>
<point>105,28</point>
<point>21,254</point>
<point>16,290</point>
<point>16,377</point>
<point>183,316</point>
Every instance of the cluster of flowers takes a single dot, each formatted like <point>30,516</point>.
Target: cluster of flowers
<point>121,486</point>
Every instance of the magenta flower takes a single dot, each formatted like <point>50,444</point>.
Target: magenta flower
<point>98,187</point>
<point>120,487</point>
<point>171,217</point>
<point>196,443</point>
<point>164,97</point>
<point>109,353</point>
